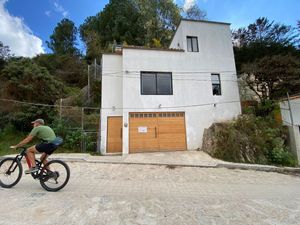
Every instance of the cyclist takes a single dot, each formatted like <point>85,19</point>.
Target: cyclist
<point>47,147</point>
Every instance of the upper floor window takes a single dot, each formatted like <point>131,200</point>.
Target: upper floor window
<point>156,83</point>
<point>216,84</point>
<point>192,44</point>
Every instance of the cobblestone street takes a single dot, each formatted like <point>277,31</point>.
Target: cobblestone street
<point>144,194</point>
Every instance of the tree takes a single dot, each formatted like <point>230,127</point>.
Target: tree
<point>264,31</point>
<point>134,22</point>
<point>194,13</point>
<point>271,77</point>
<point>263,38</point>
<point>67,68</point>
<point>160,19</point>
<point>90,36</point>
<point>119,22</point>
<point>4,54</point>
<point>24,80</point>
<point>63,39</point>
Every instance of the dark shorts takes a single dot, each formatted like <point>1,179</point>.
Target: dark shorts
<point>45,147</point>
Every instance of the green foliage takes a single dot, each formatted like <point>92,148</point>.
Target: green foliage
<point>160,19</point>
<point>25,80</point>
<point>96,93</point>
<point>136,22</point>
<point>63,39</point>
<point>194,13</point>
<point>70,69</point>
<point>251,139</point>
<point>117,22</point>
<point>21,117</point>
<point>4,55</point>
<point>9,136</point>
<point>263,38</point>
<point>271,77</point>
<point>72,138</point>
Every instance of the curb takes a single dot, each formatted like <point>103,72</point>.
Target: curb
<point>254,167</point>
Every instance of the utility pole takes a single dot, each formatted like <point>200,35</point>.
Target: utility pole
<point>291,113</point>
<point>88,87</point>
<point>95,72</point>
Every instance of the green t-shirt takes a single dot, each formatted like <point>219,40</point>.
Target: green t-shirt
<point>44,133</point>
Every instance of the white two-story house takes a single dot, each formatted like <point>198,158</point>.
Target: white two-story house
<point>163,99</point>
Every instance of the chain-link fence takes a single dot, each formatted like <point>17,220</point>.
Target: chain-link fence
<point>78,125</point>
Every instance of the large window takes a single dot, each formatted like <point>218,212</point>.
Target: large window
<point>216,84</point>
<point>156,83</point>
<point>192,44</point>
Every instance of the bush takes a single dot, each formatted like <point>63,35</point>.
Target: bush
<point>22,117</point>
<point>72,138</point>
<point>251,139</point>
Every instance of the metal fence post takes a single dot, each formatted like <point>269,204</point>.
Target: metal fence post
<point>60,108</point>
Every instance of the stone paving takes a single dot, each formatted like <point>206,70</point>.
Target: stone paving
<point>149,194</point>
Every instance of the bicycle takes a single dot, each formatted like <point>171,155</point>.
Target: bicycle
<point>53,176</point>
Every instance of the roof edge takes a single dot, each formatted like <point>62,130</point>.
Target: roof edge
<point>206,21</point>
<point>153,49</point>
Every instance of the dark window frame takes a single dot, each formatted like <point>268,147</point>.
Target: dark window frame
<point>152,72</point>
<point>216,84</point>
<point>192,37</point>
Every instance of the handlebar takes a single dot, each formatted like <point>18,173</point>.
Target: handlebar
<point>23,150</point>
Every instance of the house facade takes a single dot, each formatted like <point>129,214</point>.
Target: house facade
<point>163,99</point>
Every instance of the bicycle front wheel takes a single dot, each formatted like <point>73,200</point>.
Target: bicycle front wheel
<point>10,172</point>
<point>55,175</point>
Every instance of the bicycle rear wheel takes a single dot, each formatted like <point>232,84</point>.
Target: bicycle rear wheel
<point>55,175</point>
<point>10,172</point>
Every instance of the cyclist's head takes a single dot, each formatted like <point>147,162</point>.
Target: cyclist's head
<point>38,122</point>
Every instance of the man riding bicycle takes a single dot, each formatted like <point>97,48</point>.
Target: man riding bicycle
<point>47,146</point>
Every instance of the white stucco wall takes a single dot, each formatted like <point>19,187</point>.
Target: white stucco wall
<point>295,110</point>
<point>192,87</point>
<point>111,92</point>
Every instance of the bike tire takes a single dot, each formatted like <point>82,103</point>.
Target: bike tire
<point>44,178</point>
<point>18,170</point>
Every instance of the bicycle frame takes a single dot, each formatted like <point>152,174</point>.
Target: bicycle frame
<point>20,157</point>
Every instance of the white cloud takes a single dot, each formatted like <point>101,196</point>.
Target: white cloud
<point>60,9</point>
<point>188,4</point>
<point>48,13</point>
<point>18,36</point>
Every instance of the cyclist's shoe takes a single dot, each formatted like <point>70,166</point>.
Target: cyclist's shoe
<point>31,170</point>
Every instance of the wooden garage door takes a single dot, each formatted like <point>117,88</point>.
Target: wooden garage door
<point>157,132</point>
<point>114,134</point>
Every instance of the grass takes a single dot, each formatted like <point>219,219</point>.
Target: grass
<point>9,138</point>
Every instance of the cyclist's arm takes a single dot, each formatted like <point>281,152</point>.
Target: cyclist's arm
<point>24,141</point>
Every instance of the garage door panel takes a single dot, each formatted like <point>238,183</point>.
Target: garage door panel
<point>165,132</point>
<point>142,134</point>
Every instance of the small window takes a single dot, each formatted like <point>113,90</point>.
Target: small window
<point>216,84</point>
<point>192,44</point>
<point>156,83</point>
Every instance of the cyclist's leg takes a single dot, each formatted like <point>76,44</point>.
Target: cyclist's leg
<point>31,155</point>
<point>48,150</point>
<point>44,158</point>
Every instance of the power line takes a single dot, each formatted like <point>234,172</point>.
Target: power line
<point>44,105</point>
<point>183,79</point>
<point>110,108</point>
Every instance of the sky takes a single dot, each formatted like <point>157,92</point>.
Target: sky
<point>26,25</point>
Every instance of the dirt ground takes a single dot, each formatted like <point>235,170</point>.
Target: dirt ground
<point>143,194</point>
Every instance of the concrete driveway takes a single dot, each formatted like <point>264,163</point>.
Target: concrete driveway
<point>147,194</point>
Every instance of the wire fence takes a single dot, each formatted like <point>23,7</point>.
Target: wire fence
<point>85,120</point>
